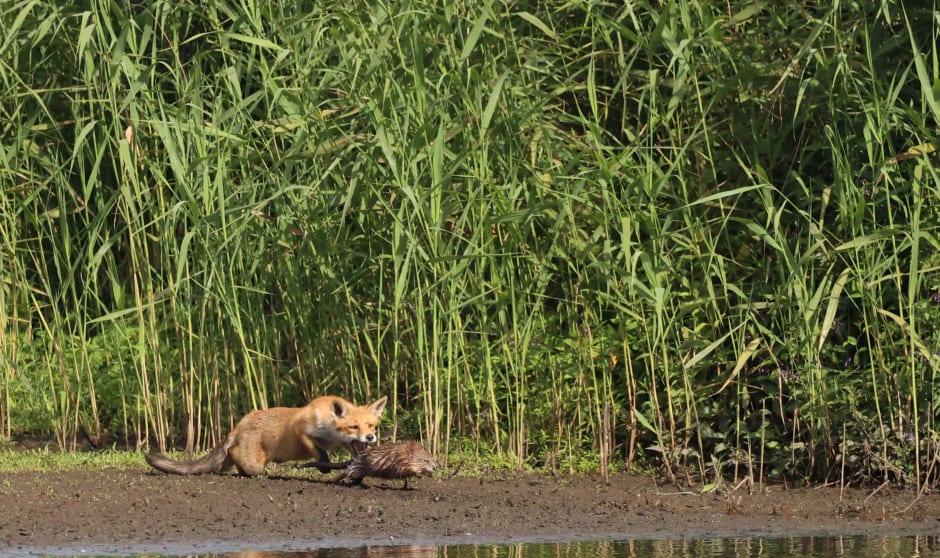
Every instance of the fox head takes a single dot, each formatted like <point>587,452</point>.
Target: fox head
<point>358,424</point>
<point>345,424</point>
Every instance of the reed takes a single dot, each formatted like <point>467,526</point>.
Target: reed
<point>701,237</point>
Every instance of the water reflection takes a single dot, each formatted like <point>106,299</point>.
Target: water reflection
<point>817,547</point>
<point>400,551</point>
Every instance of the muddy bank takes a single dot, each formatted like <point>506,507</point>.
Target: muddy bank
<point>120,512</point>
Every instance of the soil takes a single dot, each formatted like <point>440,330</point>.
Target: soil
<point>139,511</point>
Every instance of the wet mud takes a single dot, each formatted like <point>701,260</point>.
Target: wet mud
<point>137,511</point>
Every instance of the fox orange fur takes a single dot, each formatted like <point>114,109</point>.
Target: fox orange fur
<point>283,434</point>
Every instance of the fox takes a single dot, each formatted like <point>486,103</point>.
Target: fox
<point>283,434</point>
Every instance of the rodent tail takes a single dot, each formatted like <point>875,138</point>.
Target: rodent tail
<point>325,466</point>
<point>213,462</point>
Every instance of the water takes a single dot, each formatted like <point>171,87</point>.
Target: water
<point>818,547</point>
<point>854,546</point>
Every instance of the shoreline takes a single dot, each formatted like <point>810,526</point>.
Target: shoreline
<point>111,511</point>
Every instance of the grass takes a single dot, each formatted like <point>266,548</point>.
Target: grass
<point>693,236</point>
<point>461,463</point>
<point>46,460</point>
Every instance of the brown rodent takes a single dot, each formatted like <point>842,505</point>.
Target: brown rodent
<point>390,461</point>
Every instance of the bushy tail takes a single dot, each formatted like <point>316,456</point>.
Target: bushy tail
<point>213,462</point>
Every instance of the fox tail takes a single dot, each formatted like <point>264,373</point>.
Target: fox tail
<point>213,462</point>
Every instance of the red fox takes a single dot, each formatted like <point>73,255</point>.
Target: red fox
<point>285,434</point>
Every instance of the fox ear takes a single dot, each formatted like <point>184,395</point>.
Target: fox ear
<point>339,410</point>
<point>378,406</point>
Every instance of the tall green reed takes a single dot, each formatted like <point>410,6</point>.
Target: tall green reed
<point>565,234</point>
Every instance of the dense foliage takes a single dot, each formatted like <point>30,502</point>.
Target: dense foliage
<point>701,236</point>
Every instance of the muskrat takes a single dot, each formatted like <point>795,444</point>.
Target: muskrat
<point>390,461</point>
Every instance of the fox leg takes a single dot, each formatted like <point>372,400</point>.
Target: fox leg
<point>249,458</point>
<point>321,458</point>
<point>250,467</point>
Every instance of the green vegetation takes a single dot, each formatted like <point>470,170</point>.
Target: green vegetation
<point>42,459</point>
<point>697,236</point>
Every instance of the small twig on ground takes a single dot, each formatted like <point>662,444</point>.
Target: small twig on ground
<point>875,491</point>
